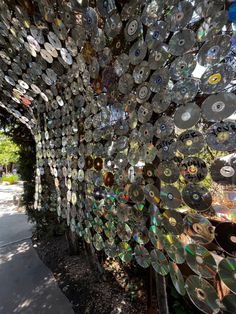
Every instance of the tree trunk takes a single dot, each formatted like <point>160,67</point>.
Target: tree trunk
<point>72,240</point>
<point>161,294</point>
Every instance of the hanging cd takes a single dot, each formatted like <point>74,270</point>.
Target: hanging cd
<point>125,83</point>
<point>218,107</point>
<point>149,172</point>
<point>190,142</point>
<point>125,252</point>
<point>199,228</point>
<point>177,278</point>
<point>172,222</point>
<point>229,303</point>
<point>214,50</point>
<point>142,256</point>
<point>186,116</point>
<point>124,231</point>
<point>159,80</point>
<point>161,102</point>
<point>166,148</point>
<point>148,153</point>
<point>174,248</point>
<point>158,57</point>
<point>227,272</point>
<point>106,8</point>
<point>200,260</point>
<point>137,52</point>
<point>221,136</point>
<point>181,42</point>
<point>168,171</point>
<point>170,196</point>
<point>163,127</point>
<point>182,67</point>
<point>159,262</point>
<point>59,28</point>
<point>225,236</point>
<point>145,112</point>
<point>202,294</point>
<point>223,171</point>
<point>136,193</point>
<point>152,12</point>
<point>156,34</point>
<point>143,92</point>
<point>184,91</point>
<point>152,194</point>
<point>133,28</point>
<point>90,19</point>
<point>216,78</point>
<point>179,16</point>
<point>141,72</point>
<point>193,169</point>
<point>197,197</point>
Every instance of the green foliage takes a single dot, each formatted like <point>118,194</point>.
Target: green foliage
<point>10,178</point>
<point>9,151</point>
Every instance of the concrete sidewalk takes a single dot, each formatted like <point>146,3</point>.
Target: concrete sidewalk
<point>27,285</point>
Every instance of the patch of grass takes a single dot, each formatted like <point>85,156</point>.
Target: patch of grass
<point>10,178</point>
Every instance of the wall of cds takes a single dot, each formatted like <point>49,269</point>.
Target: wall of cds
<point>132,106</point>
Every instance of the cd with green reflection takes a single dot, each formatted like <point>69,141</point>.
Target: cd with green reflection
<point>142,256</point>
<point>200,260</point>
<point>202,294</point>
<point>125,252</point>
<point>159,262</point>
<point>111,249</point>
<point>227,273</point>
<point>156,236</point>
<point>98,242</point>
<point>177,278</point>
<point>174,248</point>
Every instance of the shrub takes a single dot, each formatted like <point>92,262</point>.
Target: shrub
<point>10,178</point>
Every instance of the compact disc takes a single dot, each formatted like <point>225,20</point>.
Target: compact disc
<point>182,67</point>
<point>186,116</point>
<point>184,91</point>
<point>172,221</point>
<point>136,193</point>
<point>221,136</point>
<point>137,52</point>
<point>149,172</point>
<point>177,278</point>
<point>152,194</point>
<point>190,142</point>
<point>193,169</point>
<point>163,127</point>
<point>198,228</point>
<point>158,57</point>
<point>161,102</point>
<point>168,171</point>
<point>148,153</point>
<point>200,260</point>
<point>151,12</point>
<point>170,196</point>
<point>156,34</point>
<point>214,50</point>
<point>108,179</point>
<point>159,80</point>
<point>197,197</point>
<point>143,92</point>
<point>145,112</point>
<point>106,8</point>
<point>174,248</point>
<point>218,107</point>
<point>225,236</point>
<point>181,42</point>
<point>159,262</point>
<point>229,303</point>
<point>179,15</point>
<point>142,256</point>
<point>141,72</point>
<point>227,272</point>
<point>223,171</point>
<point>133,28</point>
<point>166,148</point>
<point>216,78</point>
<point>125,83</point>
<point>125,252</point>
<point>202,294</point>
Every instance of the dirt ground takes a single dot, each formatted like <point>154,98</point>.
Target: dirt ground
<point>119,292</point>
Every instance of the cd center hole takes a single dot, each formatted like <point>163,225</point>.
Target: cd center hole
<point>199,259</point>
<point>200,294</point>
<point>172,221</point>
<point>233,239</point>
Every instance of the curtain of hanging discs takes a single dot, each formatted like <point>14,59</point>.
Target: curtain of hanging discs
<point>132,106</point>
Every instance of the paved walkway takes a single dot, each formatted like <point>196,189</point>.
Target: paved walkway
<point>26,284</point>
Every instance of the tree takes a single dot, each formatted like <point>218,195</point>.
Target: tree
<point>9,151</point>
